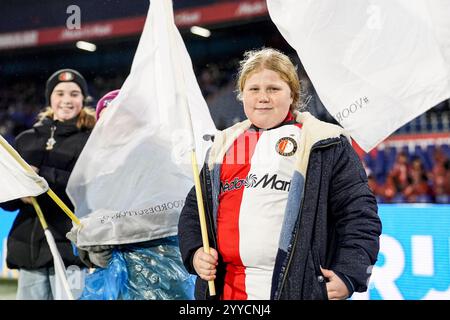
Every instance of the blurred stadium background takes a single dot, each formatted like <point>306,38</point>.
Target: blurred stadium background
<point>409,172</point>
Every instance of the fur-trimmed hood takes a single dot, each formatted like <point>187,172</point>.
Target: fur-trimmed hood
<point>313,131</point>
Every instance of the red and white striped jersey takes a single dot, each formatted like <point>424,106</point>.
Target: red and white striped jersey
<point>255,180</point>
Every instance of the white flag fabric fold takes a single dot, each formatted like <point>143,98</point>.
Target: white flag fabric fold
<point>375,65</point>
<point>131,179</point>
<point>15,181</point>
<point>62,287</point>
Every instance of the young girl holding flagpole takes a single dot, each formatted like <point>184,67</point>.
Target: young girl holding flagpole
<point>51,147</point>
<point>289,211</point>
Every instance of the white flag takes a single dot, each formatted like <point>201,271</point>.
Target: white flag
<point>15,181</point>
<point>376,65</point>
<point>131,179</point>
<point>62,287</point>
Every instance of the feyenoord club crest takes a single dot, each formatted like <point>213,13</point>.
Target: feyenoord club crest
<point>286,146</point>
<point>66,76</point>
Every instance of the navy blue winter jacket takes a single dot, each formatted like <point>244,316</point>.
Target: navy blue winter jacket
<point>335,224</point>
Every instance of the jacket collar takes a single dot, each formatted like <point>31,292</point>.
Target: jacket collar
<point>63,128</point>
<point>313,132</point>
<point>290,119</point>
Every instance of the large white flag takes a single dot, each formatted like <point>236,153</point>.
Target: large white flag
<point>130,181</point>
<point>62,286</point>
<point>376,64</point>
<point>15,181</point>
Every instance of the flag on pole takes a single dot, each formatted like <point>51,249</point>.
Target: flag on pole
<point>132,177</point>
<point>62,288</point>
<point>376,65</point>
<point>15,181</point>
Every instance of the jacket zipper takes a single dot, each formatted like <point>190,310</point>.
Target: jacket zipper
<point>297,227</point>
<point>214,243</point>
<point>208,215</point>
<point>33,232</point>
<point>213,233</point>
<point>36,222</point>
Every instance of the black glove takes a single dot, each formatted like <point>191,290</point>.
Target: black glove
<point>91,256</point>
<point>95,256</point>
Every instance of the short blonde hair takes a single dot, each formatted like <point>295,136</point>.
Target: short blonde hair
<point>271,59</point>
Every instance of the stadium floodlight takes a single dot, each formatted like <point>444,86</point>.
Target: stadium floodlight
<point>202,32</point>
<point>88,46</point>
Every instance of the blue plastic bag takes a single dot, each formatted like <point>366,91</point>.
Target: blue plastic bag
<point>107,283</point>
<point>149,271</point>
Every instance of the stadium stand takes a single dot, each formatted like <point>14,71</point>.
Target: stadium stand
<point>410,166</point>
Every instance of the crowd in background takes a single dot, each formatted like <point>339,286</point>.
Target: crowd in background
<point>21,101</point>
<point>396,176</point>
<point>421,176</point>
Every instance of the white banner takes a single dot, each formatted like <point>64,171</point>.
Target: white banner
<point>132,177</point>
<point>375,64</point>
<point>15,181</point>
<point>62,287</point>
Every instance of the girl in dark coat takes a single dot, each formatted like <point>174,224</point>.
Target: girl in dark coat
<point>289,211</point>
<point>51,147</point>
